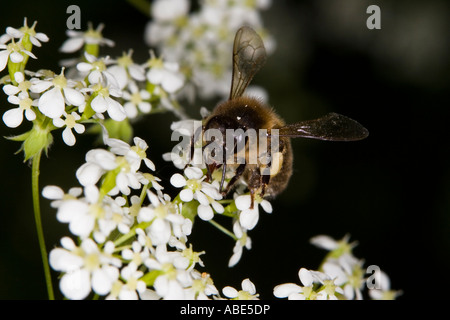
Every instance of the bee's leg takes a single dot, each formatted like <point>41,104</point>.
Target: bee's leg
<point>239,171</point>
<point>252,197</point>
<point>224,172</point>
<point>210,167</point>
<point>265,179</point>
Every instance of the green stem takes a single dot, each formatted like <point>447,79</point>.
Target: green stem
<point>141,5</point>
<point>223,229</point>
<point>37,217</point>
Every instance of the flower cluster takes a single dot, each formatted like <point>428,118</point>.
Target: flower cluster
<point>201,40</point>
<point>128,249</point>
<point>341,276</point>
<point>85,90</point>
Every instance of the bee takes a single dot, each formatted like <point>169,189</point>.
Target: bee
<point>245,112</point>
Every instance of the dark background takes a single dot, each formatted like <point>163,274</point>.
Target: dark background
<point>390,192</point>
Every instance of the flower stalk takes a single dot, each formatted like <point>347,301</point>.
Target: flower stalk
<point>37,217</point>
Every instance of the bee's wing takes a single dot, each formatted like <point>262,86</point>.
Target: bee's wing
<point>332,127</point>
<point>249,55</point>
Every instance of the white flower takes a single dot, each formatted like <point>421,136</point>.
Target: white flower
<point>14,117</point>
<point>97,71</point>
<point>71,123</point>
<point>22,85</point>
<point>248,217</point>
<point>138,252</point>
<point>53,101</point>
<point>126,69</point>
<point>248,291</point>
<point>134,154</point>
<point>341,249</point>
<point>168,10</point>
<point>164,216</point>
<point>111,215</point>
<point>103,102</point>
<point>78,38</point>
<point>384,292</point>
<point>293,291</point>
<point>174,278</point>
<point>57,194</point>
<point>195,188</point>
<point>81,214</point>
<point>98,162</point>
<point>35,37</point>
<point>85,267</point>
<point>133,286</point>
<point>329,290</point>
<point>243,240</point>
<point>202,287</point>
<point>136,99</point>
<point>167,75</point>
<point>14,52</point>
<point>350,277</point>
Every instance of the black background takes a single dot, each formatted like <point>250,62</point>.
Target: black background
<point>390,192</point>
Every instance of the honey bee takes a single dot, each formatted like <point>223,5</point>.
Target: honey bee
<point>245,112</point>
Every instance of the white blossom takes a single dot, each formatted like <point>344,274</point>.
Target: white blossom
<point>78,38</point>
<point>167,75</point>
<point>248,291</point>
<point>248,217</point>
<point>293,291</point>
<point>35,37</point>
<point>134,154</point>
<point>56,92</point>
<point>167,10</point>
<point>22,85</point>
<point>174,277</point>
<point>164,217</point>
<point>96,70</point>
<point>202,287</point>
<point>384,292</point>
<point>85,267</point>
<point>13,51</point>
<point>136,100</point>
<point>205,193</point>
<point>126,70</point>
<point>70,123</point>
<point>103,101</point>
<point>243,240</point>
<point>14,117</point>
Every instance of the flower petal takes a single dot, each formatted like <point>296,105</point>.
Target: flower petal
<point>51,103</point>
<point>243,202</point>
<point>3,59</point>
<point>68,137</point>
<point>72,45</point>
<point>249,218</point>
<point>186,195</point>
<point>205,213</point>
<point>76,285</point>
<point>230,292</point>
<point>52,192</point>
<point>115,110</point>
<point>177,180</point>
<point>13,117</point>
<point>99,104</point>
<point>73,96</point>
<point>286,289</point>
